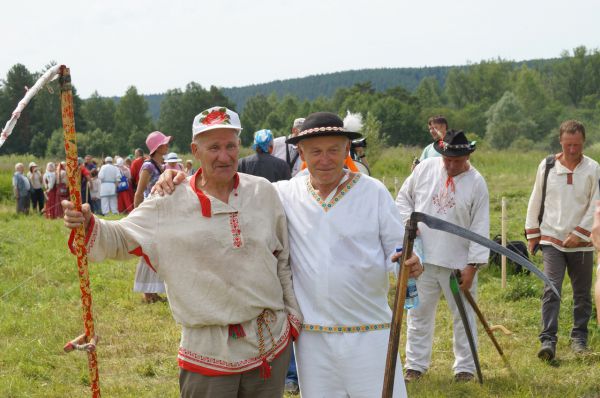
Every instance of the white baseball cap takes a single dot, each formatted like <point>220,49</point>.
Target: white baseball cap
<point>217,117</point>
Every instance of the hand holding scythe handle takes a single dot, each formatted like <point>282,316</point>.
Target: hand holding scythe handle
<point>410,234</point>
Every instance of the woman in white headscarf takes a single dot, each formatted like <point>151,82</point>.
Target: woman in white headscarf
<point>51,191</point>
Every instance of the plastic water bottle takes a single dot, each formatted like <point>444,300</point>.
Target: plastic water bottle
<point>412,296</point>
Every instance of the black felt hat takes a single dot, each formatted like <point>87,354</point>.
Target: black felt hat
<point>454,144</point>
<point>322,124</point>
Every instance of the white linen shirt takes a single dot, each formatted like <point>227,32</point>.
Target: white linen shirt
<point>223,264</point>
<point>109,175</point>
<point>467,205</point>
<point>340,251</point>
<point>570,203</point>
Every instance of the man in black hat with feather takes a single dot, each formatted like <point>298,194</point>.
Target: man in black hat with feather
<point>447,187</point>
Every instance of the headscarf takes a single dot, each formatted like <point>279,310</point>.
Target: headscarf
<point>50,175</point>
<point>263,139</point>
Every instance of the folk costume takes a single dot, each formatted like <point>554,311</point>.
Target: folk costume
<point>109,176</point>
<point>51,191</point>
<point>569,208</point>
<point>340,249</point>
<point>462,200</point>
<point>146,280</point>
<point>225,268</point>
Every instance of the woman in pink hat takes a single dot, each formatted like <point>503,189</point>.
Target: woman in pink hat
<point>146,280</point>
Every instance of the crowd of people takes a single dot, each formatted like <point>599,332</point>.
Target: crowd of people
<point>224,243</point>
<point>108,186</point>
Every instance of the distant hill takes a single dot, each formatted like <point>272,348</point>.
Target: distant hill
<point>311,87</point>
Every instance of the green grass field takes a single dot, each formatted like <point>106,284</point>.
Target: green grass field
<point>40,311</point>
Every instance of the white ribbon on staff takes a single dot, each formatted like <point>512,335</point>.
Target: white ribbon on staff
<point>48,76</point>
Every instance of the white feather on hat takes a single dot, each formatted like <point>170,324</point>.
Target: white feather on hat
<point>353,122</point>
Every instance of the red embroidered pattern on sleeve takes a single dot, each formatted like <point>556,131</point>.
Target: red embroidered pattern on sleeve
<point>236,232</point>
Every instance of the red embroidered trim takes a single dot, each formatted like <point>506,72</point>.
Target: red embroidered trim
<point>559,243</point>
<point>532,231</point>
<point>140,253</point>
<point>204,200</point>
<point>88,234</point>
<point>208,366</point>
<point>583,231</point>
<point>295,325</point>
<point>236,232</point>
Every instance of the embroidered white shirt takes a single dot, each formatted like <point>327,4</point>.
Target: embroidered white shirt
<point>463,201</point>
<point>219,270</point>
<point>570,202</point>
<point>340,250</point>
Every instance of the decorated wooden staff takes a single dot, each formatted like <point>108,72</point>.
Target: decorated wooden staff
<point>410,233</point>
<point>87,341</point>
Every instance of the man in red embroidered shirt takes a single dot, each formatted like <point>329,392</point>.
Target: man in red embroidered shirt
<point>564,234</point>
<point>221,246</point>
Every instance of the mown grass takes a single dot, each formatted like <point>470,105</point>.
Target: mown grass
<point>40,311</point>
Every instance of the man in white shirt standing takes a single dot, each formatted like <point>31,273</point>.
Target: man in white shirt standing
<point>109,175</point>
<point>289,152</point>
<point>344,229</point>
<point>564,234</point>
<point>447,187</point>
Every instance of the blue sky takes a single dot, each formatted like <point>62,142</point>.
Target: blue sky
<point>157,45</point>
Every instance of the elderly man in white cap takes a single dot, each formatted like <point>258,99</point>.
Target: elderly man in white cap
<point>220,243</point>
<point>287,151</point>
<point>340,265</point>
<point>109,175</point>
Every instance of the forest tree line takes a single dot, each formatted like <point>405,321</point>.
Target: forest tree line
<point>500,103</point>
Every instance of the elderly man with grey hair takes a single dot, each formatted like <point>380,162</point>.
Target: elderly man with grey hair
<point>289,152</point>
<point>21,189</point>
<point>220,243</point>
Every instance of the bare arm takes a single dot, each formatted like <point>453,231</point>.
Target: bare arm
<point>142,184</point>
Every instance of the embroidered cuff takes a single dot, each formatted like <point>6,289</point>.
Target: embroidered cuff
<point>583,234</point>
<point>295,326</point>
<point>87,243</point>
<point>533,233</point>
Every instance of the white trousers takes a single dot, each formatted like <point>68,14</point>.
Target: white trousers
<point>421,322</point>
<point>109,204</point>
<point>344,365</point>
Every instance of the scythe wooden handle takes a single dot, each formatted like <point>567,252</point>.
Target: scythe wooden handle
<point>410,234</point>
<point>74,180</point>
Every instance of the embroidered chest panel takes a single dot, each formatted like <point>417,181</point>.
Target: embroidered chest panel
<point>444,199</point>
<point>326,206</point>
